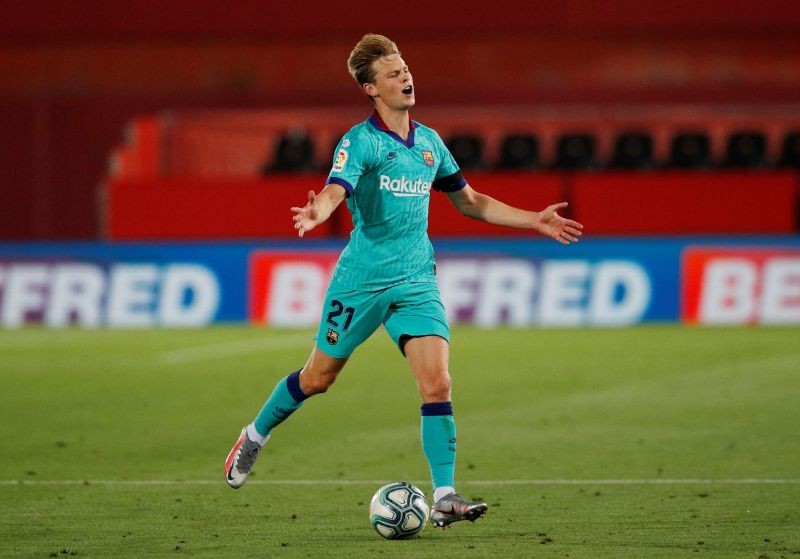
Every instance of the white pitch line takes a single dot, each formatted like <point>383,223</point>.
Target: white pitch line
<point>234,348</point>
<point>751,481</point>
<point>157,482</point>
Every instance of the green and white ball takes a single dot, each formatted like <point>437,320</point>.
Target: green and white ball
<point>398,511</point>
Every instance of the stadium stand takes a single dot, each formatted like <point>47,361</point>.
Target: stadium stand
<point>294,152</point>
<point>746,150</point>
<point>790,153</point>
<point>187,162</point>
<point>467,150</point>
<point>690,151</point>
<point>519,151</point>
<point>228,143</point>
<point>576,152</point>
<point>632,151</point>
<point>73,78</point>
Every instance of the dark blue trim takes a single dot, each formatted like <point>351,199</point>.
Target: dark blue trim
<point>293,384</point>
<point>451,183</point>
<point>375,121</point>
<point>461,184</point>
<point>343,183</point>
<point>437,408</point>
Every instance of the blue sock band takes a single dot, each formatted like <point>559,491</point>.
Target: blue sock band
<point>439,442</point>
<point>285,399</point>
<point>437,408</point>
<point>293,384</point>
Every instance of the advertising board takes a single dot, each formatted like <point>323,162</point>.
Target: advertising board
<point>483,282</point>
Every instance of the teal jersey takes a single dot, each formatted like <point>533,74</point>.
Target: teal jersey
<point>388,182</point>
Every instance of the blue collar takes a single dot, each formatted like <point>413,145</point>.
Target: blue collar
<point>376,121</point>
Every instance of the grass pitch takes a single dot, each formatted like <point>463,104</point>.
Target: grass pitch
<point>657,441</point>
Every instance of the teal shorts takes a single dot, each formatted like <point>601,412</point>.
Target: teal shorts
<point>409,309</point>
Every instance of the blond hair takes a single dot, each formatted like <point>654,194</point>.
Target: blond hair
<point>370,48</point>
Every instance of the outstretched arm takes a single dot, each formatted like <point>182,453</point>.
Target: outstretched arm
<point>318,209</point>
<point>547,222</point>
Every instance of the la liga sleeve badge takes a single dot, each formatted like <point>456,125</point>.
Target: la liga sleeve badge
<point>341,159</point>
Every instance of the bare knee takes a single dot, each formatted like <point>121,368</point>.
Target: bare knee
<point>436,387</point>
<point>316,382</point>
<point>320,372</point>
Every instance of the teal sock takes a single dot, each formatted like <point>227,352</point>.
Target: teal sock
<point>285,399</point>
<point>439,442</point>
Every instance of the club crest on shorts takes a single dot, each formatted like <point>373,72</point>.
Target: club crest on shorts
<point>427,157</point>
<point>332,336</point>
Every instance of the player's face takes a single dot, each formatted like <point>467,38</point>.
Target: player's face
<point>393,84</point>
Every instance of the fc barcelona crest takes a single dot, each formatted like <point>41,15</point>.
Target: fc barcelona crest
<point>332,336</point>
<point>427,157</point>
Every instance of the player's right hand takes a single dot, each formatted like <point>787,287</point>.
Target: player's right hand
<point>305,218</point>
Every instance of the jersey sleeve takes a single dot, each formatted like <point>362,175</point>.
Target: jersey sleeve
<point>351,159</point>
<point>448,175</point>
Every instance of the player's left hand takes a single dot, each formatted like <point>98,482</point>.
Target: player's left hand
<point>552,225</point>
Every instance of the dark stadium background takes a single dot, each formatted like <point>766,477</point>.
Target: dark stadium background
<point>74,75</point>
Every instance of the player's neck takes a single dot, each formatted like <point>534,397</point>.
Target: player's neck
<point>395,120</point>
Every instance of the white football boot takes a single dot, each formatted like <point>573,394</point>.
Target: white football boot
<point>240,460</point>
<point>454,508</point>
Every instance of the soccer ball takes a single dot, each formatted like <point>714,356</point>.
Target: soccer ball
<point>398,511</point>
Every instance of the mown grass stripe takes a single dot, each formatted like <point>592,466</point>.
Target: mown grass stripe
<point>146,482</point>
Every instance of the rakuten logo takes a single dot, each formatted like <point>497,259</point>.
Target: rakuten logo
<point>741,287</point>
<point>405,187</point>
<point>123,295</point>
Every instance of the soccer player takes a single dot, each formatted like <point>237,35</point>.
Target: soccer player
<point>385,169</point>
